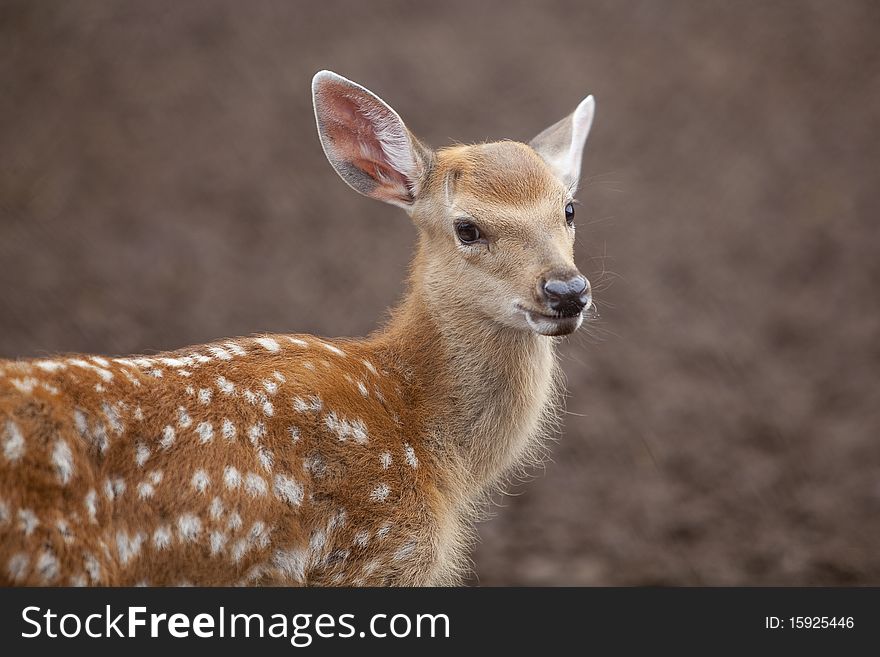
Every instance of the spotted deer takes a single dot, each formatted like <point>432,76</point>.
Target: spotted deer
<point>297,460</point>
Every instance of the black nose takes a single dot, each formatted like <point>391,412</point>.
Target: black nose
<point>567,295</point>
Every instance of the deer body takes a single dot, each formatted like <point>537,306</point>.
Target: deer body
<point>296,460</point>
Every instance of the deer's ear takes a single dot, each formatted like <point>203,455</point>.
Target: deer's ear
<point>562,144</point>
<point>366,141</point>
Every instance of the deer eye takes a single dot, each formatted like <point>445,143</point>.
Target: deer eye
<point>569,214</point>
<point>467,232</point>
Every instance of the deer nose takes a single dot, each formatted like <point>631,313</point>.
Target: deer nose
<point>567,295</point>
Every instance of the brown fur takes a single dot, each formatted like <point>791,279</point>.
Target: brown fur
<point>360,462</point>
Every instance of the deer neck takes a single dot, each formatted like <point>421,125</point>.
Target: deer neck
<point>489,390</point>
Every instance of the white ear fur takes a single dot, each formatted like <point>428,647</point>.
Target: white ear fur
<point>562,144</point>
<point>366,141</point>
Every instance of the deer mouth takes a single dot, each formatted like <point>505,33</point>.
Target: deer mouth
<point>552,324</point>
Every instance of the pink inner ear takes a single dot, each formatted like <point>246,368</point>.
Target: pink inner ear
<point>356,142</point>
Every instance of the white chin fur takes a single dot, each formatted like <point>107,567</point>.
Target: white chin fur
<point>554,327</point>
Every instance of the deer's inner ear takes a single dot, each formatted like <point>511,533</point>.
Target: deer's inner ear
<point>366,141</point>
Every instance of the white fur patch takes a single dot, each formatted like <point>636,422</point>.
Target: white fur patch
<point>206,432</point>
<point>380,493</point>
<point>411,457</point>
<point>288,489</point>
<point>201,481</point>
<point>268,344</point>
<point>162,537</point>
<point>13,442</point>
<point>18,566</point>
<point>167,437</point>
<point>231,477</point>
<point>62,460</point>
<point>188,527</point>
<point>225,385</point>
<point>255,485</point>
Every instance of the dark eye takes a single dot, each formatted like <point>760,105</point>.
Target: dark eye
<point>467,232</point>
<point>569,214</point>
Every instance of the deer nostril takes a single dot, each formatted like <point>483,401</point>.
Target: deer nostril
<point>567,295</point>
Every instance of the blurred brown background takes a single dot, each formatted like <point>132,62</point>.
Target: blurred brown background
<point>161,184</point>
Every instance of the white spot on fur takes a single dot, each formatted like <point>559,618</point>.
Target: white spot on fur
<point>256,432</point>
<point>250,396</point>
<point>114,488</point>
<point>93,568</point>
<point>25,385</point>
<point>312,403</point>
<point>27,521</point>
<point>155,477</point>
<point>228,429</point>
<point>183,418</point>
<point>138,414</point>
<point>380,493</point>
<point>411,457</point>
<point>50,365</point>
<point>288,490</point>
<point>225,385</point>
<point>270,386</point>
<point>278,376</point>
<point>113,417</point>
<point>145,490</point>
<point>82,425</point>
<point>363,389</point>
<point>361,538</point>
<point>190,390</point>
<point>105,374</point>
<point>188,527</point>
<point>332,348</point>
<point>13,442</point>
<point>162,537</point>
<point>294,434</point>
<point>201,481</point>
<point>141,454</point>
<point>385,460</point>
<point>216,509</point>
<point>92,505</point>
<point>236,349</point>
<point>268,344</point>
<point>291,563</point>
<point>220,352</point>
<point>205,395</point>
<point>255,485</point>
<point>267,459</point>
<point>218,541</point>
<point>345,429</point>
<point>370,367</point>
<point>127,546</point>
<point>268,409</point>
<point>176,362</point>
<point>18,566</point>
<point>231,477</point>
<point>47,567</point>
<point>298,342</point>
<point>382,532</point>
<point>206,432</point>
<point>62,459</point>
<point>234,522</point>
<point>167,437</point>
